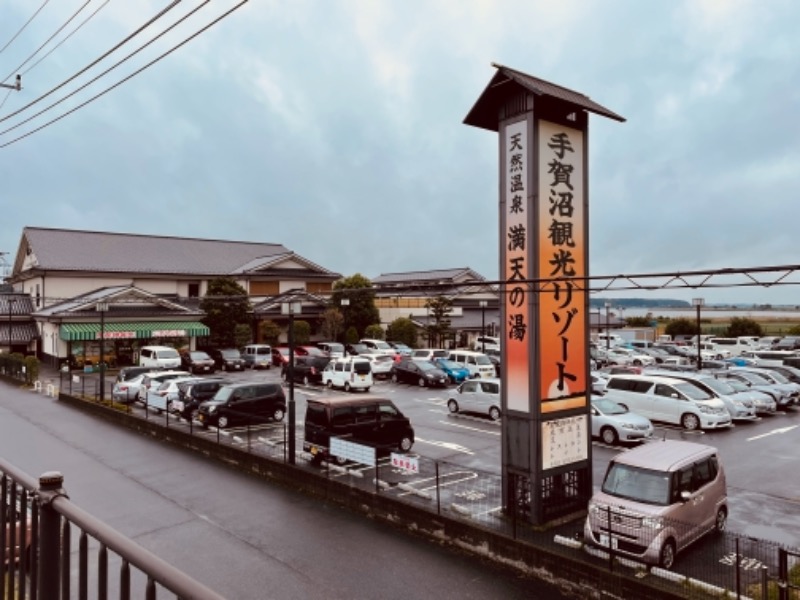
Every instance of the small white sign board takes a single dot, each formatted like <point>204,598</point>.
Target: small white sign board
<point>364,455</point>
<point>410,464</point>
<point>564,441</point>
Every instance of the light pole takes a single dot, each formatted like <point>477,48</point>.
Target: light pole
<point>11,302</point>
<point>344,302</point>
<point>102,307</point>
<point>291,308</point>
<point>698,302</point>
<point>483,325</point>
<point>608,335</point>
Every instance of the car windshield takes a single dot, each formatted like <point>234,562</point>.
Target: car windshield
<point>425,366</point>
<point>223,394</point>
<point>230,353</point>
<point>755,378</point>
<point>737,385</point>
<point>335,348</point>
<point>168,354</point>
<point>199,355</point>
<point>448,364</point>
<point>608,407</point>
<point>637,484</point>
<point>721,387</point>
<point>382,346</point>
<point>482,359</point>
<point>692,391</point>
<point>777,376</point>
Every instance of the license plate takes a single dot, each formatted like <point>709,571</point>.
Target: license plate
<point>314,450</point>
<point>201,418</point>
<point>362,378</point>
<point>604,541</point>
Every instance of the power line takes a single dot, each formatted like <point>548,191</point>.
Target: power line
<point>24,26</point>
<point>75,14</point>
<point>148,65</point>
<point>172,5</point>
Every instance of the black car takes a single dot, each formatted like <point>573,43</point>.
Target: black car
<point>197,361</point>
<point>243,403</point>
<point>228,359</point>
<point>192,393</point>
<point>421,372</point>
<point>307,369</point>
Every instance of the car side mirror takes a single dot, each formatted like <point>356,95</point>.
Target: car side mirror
<point>686,495</point>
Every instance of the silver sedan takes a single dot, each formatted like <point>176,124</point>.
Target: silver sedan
<point>614,423</point>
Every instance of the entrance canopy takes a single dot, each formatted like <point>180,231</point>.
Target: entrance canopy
<point>134,330</point>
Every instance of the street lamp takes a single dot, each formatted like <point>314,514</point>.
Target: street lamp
<point>291,309</point>
<point>102,307</point>
<point>343,303</point>
<point>698,302</point>
<point>483,325</point>
<point>608,336</point>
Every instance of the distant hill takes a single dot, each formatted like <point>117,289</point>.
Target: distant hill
<point>639,303</point>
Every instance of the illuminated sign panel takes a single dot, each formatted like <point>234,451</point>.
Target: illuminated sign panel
<point>562,254</point>
<point>516,268</point>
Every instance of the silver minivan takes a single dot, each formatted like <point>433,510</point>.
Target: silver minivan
<point>656,500</point>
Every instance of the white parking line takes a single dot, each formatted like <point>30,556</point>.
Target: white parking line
<point>448,445</point>
<point>444,481</point>
<point>773,432</point>
<point>468,428</point>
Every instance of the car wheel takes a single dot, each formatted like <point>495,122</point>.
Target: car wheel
<point>277,414</point>
<point>452,406</point>
<point>494,413</point>
<point>721,521</point>
<point>690,422</point>
<point>405,443</point>
<point>421,382</point>
<point>346,386</point>
<point>366,390</point>
<point>637,363</point>
<point>305,380</point>
<point>339,460</point>
<point>285,377</point>
<point>609,435</point>
<point>329,383</point>
<point>394,377</point>
<point>451,379</point>
<point>222,422</point>
<point>666,558</point>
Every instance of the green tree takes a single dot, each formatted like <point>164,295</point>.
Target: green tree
<point>301,332</point>
<point>243,335</point>
<point>374,332</point>
<point>402,330</point>
<point>439,309</point>
<point>361,310</point>
<point>794,330</point>
<point>270,331</point>
<point>332,324</point>
<point>226,305</point>
<point>351,336</point>
<point>743,326</point>
<point>637,322</point>
<point>681,326</point>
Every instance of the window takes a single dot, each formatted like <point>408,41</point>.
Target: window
<point>387,412</point>
<point>666,390</point>
<point>490,387</point>
<point>365,414</point>
<point>342,416</point>
<point>194,290</point>
<point>469,386</point>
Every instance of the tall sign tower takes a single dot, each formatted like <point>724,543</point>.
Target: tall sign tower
<point>544,310</point>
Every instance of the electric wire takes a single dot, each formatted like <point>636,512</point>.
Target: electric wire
<point>8,93</point>
<point>47,41</point>
<point>74,31</point>
<point>172,5</point>
<point>24,26</point>
<point>146,66</point>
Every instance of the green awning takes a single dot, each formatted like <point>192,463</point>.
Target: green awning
<point>142,330</point>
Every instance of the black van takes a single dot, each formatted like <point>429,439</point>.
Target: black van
<point>369,420</point>
<point>193,392</point>
<point>243,403</point>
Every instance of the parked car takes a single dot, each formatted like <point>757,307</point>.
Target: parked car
<point>307,369</point>
<point>379,346</point>
<point>429,353</point>
<point>356,349</point>
<point>764,403</point>
<point>455,372</point>
<point>353,373</point>
<point>494,356</point>
<point>381,364</point>
<point>332,349</point>
<point>309,351</point>
<point>257,356</point>
<point>280,356</point>
<point>245,403</point>
<point>422,373</point>
<point>787,343</point>
<point>487,342</point>
<point>480,396</point>
<point>193,392</point>
<point>197,361</point>
<point>757,382</point>
<point>613,423</point>
<point>401,348</point>
<point>366,420</point>
<point>228,359</point>
<point>155,378</point>
<point>479,364</point>
<point>128,373</point>
<point>624,356</point>
<point>159,357</point>
<point>657,499</point>
<point>127,392</point>
<point>161,396</point>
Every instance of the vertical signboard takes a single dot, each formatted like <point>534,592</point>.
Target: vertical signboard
<point>517,267</point>
<point>561,222</point>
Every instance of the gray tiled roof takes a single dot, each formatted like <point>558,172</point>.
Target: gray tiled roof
<point>433,276</point>
<point>73,250</point>
<point>20,304</point>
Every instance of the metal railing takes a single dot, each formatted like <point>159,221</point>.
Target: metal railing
<point>36,548</point>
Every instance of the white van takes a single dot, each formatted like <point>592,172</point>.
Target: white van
<point>487,342</point>
<point>656,500</point>
<point>735,345</point>
<point>159,357</point>
<point>669,400</point>
<point>479,364</point>
<point>353,373</point>
<point>609,340</point>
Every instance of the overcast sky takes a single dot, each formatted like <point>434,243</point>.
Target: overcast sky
<point>335,128</point>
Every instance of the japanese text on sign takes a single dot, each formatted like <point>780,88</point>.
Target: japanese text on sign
<point>564,441</point>
<point>410,464</point>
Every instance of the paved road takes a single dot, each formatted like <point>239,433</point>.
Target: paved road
<point>241,537</point>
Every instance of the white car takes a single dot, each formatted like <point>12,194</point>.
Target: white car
<point>624,356</point>
<point>477,395</point>
<point>613,423</point>
<point>381,364</point>
<point>159,398</point>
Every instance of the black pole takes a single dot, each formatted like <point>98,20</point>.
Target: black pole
<point>102,354</point>
<point>699,355</point>
<point>608,336</point>
<point>290,370</point>
<point>483,327</point>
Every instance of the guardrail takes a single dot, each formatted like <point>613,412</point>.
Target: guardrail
<point>36,526</point>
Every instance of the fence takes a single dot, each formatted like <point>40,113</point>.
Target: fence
<point>37,521</point>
